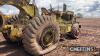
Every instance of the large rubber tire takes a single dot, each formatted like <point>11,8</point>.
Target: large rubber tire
<point>75,31</point>
<point>74,34</point>
<point>34,33</point>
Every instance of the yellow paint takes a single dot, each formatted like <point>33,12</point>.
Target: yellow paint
<point>8,26</point>
<point>69,28</point>
<point>65,26</point>
<point>7,17</point>
<point>62,28</point>
<point>29,10</point>
<point>15,32</point>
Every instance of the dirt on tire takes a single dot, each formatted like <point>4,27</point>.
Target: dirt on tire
<point>36,31</point>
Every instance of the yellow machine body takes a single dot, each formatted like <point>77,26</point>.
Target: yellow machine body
<point>27,11</point>
<point>65,26</point>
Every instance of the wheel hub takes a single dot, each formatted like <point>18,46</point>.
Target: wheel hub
<point>48,37</point>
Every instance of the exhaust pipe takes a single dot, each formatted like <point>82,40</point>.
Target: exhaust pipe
<point>64,7</point>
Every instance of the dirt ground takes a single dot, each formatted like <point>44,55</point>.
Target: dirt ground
<point>89,36</point>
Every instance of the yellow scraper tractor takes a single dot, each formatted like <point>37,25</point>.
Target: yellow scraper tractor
<point>40,34</point>
<point>69,26</point>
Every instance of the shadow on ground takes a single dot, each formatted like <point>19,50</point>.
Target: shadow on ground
<point>12,49</point>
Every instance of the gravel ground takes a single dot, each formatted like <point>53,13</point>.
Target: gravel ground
<point>89,36</point>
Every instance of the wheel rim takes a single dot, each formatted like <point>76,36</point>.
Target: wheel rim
<point>48,37</point>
